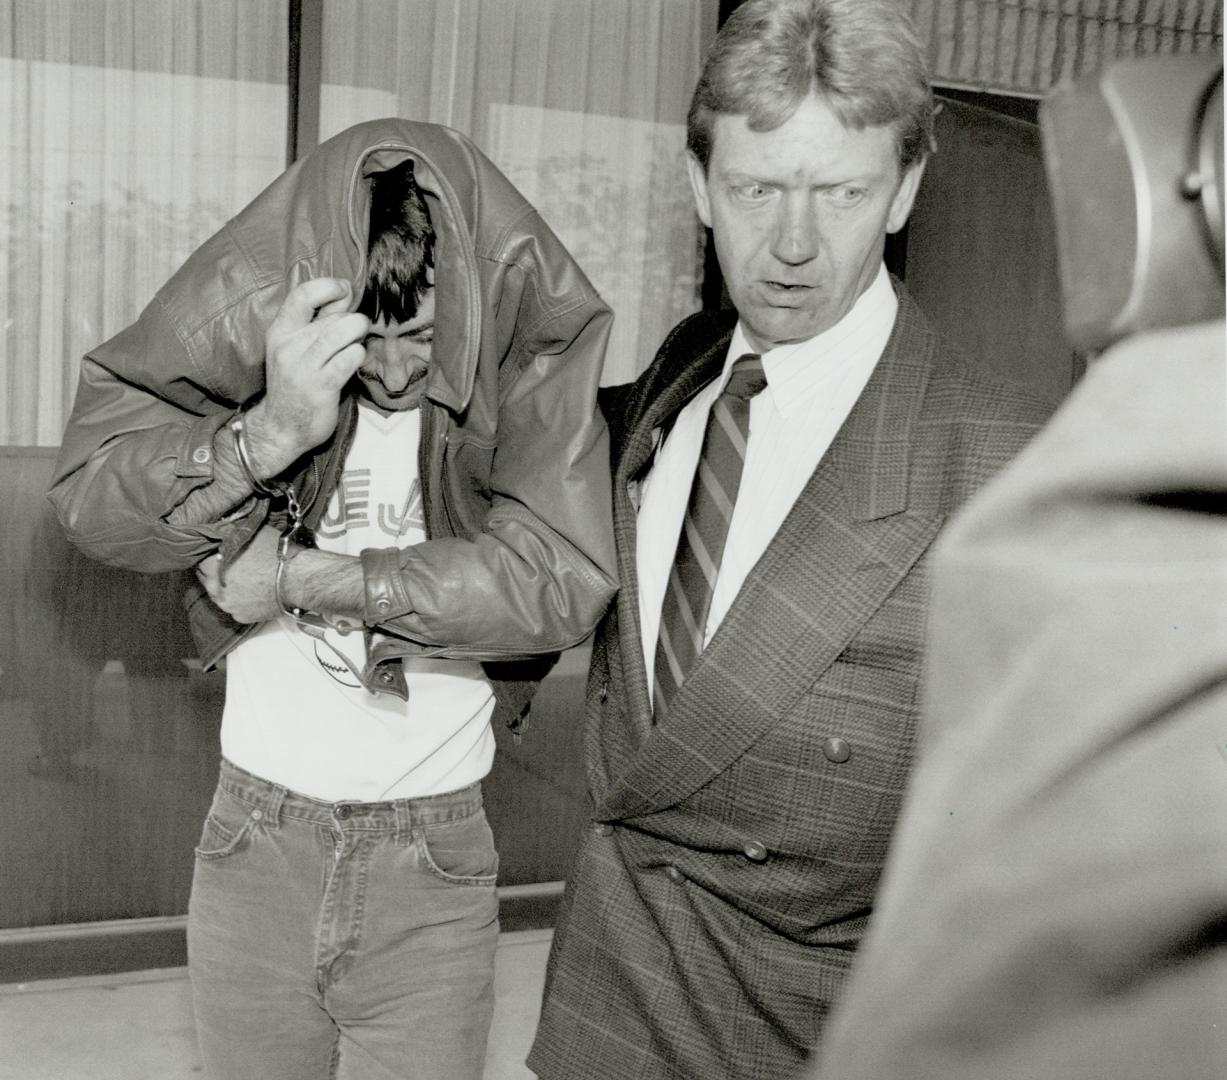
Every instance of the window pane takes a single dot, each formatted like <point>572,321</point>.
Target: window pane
<point>129,131</point>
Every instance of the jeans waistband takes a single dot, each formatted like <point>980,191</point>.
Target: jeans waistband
<point>399,815</point>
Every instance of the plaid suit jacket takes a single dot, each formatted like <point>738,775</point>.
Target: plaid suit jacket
<point>733,855</point>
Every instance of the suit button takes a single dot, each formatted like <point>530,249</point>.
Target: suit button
<point>836,749</point>
<point>603,693</point>
<point>602,828</point>
<point>755,851</point>
<point>674,874</point>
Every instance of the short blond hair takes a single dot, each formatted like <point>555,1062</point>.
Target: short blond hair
<point>862,57</point>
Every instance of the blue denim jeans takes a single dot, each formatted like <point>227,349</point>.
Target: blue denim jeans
<point>351,940</point>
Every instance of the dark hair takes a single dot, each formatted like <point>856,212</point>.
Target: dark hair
<point>862,57</point>
<point>400,246</point>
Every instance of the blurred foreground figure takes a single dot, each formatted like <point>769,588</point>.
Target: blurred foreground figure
<point>1056,901</point>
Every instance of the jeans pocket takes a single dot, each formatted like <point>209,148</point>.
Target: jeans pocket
<point>227,826</point>
<point>461,852</point>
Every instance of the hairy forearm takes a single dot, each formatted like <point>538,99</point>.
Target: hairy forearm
<point>325,582</point>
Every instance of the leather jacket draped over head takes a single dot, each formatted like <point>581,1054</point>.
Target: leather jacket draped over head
<point>514,457</point>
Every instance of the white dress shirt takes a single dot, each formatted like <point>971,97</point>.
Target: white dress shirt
<point>811,387</point>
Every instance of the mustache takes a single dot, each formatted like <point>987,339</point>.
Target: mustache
<point>376,375</point>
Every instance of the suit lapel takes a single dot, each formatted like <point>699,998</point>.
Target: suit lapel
<point>661,398</point>
<point>846,544</point>
<point>653,404</point>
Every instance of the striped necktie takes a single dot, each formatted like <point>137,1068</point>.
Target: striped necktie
<point>692,580</point>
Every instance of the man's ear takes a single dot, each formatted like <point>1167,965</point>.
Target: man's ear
<point>905,196</point>
<point>698,184</point>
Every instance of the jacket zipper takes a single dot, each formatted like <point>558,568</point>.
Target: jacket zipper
<point>438,516</point>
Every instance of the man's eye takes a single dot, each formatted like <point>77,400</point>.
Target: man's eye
<point>846,195</point>
<point>750,192</point>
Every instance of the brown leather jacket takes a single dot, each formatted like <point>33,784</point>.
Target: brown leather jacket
<point>514,457</point>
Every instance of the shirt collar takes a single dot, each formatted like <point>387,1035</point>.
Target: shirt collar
<point>798,371</point>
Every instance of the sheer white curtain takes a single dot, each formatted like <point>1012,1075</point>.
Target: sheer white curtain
<point>581,102</point>
<point>129,131</point>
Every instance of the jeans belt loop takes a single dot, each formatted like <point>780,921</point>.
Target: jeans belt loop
<point>404,822</point>
<point>272,805</point>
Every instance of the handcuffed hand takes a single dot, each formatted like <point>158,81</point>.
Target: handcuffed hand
<point>246,592</point>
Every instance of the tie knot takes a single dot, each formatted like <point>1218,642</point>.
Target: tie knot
<point>746,377</point>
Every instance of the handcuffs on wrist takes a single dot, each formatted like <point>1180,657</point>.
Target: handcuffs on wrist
<point>270,489</point>
<point>311,623</point>
<point>294,533</point>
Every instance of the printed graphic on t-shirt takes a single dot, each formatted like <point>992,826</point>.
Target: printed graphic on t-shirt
<point>351,508</point>
<point>342,656</point>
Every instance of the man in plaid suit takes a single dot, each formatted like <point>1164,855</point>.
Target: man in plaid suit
<point>746,761</point>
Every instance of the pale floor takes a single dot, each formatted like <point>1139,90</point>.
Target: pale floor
<point>138,1026</point>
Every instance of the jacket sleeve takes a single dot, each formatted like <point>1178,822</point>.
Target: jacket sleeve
<point>139,440</point>
<point>540,570</point>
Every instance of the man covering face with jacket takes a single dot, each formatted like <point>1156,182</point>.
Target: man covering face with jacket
<point>365,412</point>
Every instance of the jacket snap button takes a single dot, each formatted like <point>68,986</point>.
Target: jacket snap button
<point>383,603</point>
<point>674,874</point>
<point>386,677</point>
<point>201,455</point>
<point>602,828</point>
<point>755,851</point>
<point>836,749</point>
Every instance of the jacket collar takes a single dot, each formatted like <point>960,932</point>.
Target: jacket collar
<point>206,327</point>
<point>446,168</point>
<point>658,399</point>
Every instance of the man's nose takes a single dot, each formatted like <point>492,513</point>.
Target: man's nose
<point>404,359</point>
<point>796,235</point>
<point>396,372</point>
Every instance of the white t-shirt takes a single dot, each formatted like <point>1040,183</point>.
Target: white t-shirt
<point>297,716</point>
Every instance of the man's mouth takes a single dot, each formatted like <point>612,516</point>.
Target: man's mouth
<point>786,292</point>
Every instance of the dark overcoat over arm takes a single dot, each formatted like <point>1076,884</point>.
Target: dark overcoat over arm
<point>1064,842</point>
